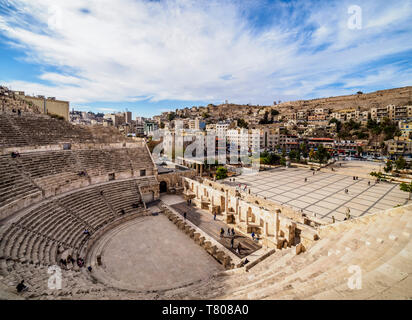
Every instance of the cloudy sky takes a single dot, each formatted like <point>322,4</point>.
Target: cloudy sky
<point>153,56</point>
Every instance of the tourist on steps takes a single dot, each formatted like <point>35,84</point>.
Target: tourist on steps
<point>232,242</point>
<point>21,286</point>
<point>222,232</point>
<point>184,215</point>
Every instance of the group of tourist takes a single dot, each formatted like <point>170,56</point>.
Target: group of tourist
<point>230,232</point>
<point>18,111</point>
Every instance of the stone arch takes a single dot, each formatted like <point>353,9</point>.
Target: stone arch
<point>163,187</point>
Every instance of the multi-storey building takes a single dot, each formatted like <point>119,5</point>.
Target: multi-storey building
<point>222,127</point>
<point>406,128</point>
<point>197,124</point>
<point>302,115</point>
<point>399,146</point>
<point>394,113</point>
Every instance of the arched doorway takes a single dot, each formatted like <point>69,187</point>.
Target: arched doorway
<point>163,187</point>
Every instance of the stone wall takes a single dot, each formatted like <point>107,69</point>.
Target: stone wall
<point>57,107</point>
<point>174,179</point>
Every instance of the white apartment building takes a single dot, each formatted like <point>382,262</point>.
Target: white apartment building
<point>221,128</point>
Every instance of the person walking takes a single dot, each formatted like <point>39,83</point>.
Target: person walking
<point>347,214</point>
<point>21,286</point>
<point>233,231</point>
<point>184,215</point>
<point>214,216</point>
<point>222,232</point>
<point>253,235</point>
<point>232,242</point>
<point>239,247</point>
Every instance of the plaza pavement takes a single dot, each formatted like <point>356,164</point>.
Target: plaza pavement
<point>323,195</point>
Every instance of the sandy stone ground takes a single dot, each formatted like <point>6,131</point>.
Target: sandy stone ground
<point>154,254</point>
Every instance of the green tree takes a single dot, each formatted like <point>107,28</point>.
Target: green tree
<point>294,155</point>
<point>274,112</point>
<point>322,154</point>
<point>338,124</point>
<point>400,163</point>
<point>221,173</point>
<point>311,154</point>
<point>303,147</point>
<point>407,187</point>
<point>241,123</point>
<point>171,116</point>
<point>377,175</point>
<point>388,167</point>
<point>265,119</point>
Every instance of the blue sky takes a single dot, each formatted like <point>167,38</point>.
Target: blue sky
<point>153,56</point>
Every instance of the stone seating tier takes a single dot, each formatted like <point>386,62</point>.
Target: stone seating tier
<point>35,236</point>
<point>48,173</point>
<point>30,129</point>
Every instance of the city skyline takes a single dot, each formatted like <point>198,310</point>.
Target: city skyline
<point>196,53</point>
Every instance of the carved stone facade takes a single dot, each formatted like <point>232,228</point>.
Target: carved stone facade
<point>274,227</point>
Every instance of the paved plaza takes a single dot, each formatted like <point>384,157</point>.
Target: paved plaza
<point>324,192</point>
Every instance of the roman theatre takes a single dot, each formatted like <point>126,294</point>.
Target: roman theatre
<point>92,206</point>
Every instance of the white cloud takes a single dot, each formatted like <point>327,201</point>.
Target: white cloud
<point>184,50</point>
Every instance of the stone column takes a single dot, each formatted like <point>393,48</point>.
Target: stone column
<point>226,201</point>
<point>276,235</point>
<point>201,169</point>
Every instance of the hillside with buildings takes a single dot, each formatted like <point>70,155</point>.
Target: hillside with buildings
<point>359,101</point>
